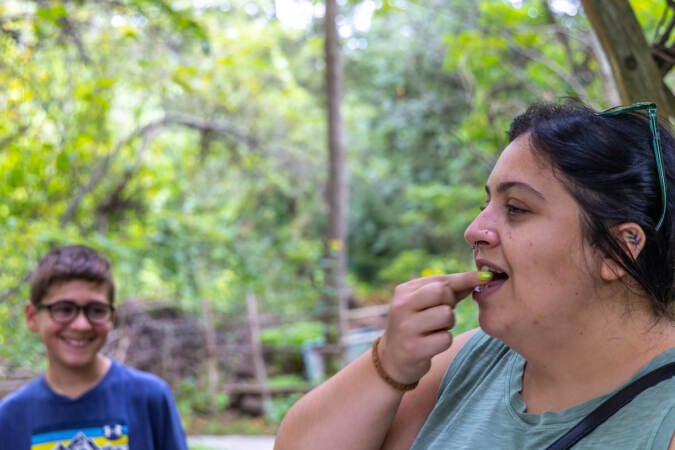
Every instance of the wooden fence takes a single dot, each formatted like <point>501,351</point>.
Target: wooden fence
<point>160,340</point>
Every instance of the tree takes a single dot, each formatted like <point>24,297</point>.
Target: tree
<point>335,291</point>
<point>637,67</point>
<point>186,154</point>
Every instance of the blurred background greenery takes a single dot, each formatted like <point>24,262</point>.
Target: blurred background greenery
<point>186,140</point>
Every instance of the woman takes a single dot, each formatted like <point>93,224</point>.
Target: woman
<point>577,231</point>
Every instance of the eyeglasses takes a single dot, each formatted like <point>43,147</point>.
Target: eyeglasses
<point>65,311</point>
<point>656,145</point>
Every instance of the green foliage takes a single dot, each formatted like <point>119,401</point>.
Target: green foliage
<point>187,143</point>
<point>649,13</point>
<point>193,398</point>
<point>171,205</point>
<point>292,334</point>
<point>408,263</point>
<point>223,425</point>
<point>279,406</point>
<point>466,316</point>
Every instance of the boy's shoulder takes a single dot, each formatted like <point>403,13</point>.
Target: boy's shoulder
<point>133,380</point>
<point>120,379</point>
<point>120,372</point>
<point>32,393</point>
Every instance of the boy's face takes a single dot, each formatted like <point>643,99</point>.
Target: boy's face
<point>73,345</point>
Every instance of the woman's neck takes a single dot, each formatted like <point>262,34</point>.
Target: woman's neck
<point>591,362</point>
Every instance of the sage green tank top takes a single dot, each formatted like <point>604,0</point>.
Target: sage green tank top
<point>479,407</point>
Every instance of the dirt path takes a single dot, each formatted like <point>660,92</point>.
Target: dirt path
<point>231,442</point>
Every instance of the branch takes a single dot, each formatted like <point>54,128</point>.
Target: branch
<point>560,71</point>
<point>70,31</point>
<point>580,70</point>
<point>664,58</point>
<point>147,131</point>
<point>9,292</point>
<point>8,139</point>
<point>665,36</point>
<point>217,127</point>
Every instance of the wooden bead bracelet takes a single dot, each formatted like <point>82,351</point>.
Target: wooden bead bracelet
<point>389,380</point>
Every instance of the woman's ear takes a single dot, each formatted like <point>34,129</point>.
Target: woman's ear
<point>631,238</point>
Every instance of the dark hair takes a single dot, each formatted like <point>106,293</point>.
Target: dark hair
<point>607,163</point>
<point>68,263</point>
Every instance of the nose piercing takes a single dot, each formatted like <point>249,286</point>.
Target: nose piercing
<point>475,244</point>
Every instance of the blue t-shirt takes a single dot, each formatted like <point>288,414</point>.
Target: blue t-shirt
<point>128,410</point>
<point>479,406</point>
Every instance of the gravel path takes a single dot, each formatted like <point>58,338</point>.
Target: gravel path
<point>231,442</point>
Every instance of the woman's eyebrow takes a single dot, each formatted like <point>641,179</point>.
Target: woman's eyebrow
<point>505,186</point>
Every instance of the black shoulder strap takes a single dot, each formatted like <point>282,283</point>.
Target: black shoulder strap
<point>612,405</point>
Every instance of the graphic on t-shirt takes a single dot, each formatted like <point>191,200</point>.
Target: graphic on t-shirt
<point>109,436</point>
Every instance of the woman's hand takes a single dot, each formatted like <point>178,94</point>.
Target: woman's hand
<point>421,313</point>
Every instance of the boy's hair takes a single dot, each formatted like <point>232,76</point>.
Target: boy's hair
<point>68,263</point>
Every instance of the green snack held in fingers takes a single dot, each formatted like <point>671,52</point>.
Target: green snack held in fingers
<point>484,275</point>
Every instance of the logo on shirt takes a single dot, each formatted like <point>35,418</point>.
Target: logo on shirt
<point>109,436</point>
<point>113,432</point>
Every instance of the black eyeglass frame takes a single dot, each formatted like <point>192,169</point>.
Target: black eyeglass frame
<point>87,309</point>
<point>656,146</point>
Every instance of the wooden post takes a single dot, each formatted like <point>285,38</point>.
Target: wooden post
<point>335,289</point>
<point>165,367</point>
<point>211,356</point>
<point>257,351</point>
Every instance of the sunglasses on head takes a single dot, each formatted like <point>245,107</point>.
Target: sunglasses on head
<point>656,145</point>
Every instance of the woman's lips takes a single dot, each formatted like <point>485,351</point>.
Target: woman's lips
<point>483,290</point>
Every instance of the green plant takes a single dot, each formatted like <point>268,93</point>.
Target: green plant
<point>292,334</point>
<point>193,398</point>
<point>279,406</point>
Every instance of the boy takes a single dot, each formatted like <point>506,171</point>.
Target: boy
<point>85,400</point>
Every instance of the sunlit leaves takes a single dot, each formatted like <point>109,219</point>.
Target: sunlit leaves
<point>649,13</point>
<point>229,199</point>
<point>184,214</point>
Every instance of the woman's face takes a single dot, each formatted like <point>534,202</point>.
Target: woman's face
<point>530,231</point>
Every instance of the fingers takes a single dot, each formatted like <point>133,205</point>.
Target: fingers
<point>421,313</point>
<point>407,360</point>
<point>427,292</point>
<point>430,320</point>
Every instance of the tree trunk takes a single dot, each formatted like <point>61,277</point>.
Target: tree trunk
<point>635,72</point>
<point>336,231</point>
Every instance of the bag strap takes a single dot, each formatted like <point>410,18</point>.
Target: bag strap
<point>612,405</point>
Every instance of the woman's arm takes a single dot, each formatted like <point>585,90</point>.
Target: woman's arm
<point>355,409</point>
<point>416,405</point>
<point>351,410</point>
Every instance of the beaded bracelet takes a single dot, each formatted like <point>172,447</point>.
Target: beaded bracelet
<point>389,380</point>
